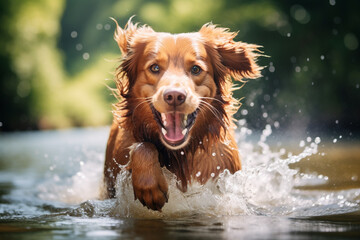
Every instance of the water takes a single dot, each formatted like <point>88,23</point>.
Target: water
<point>299,189</point>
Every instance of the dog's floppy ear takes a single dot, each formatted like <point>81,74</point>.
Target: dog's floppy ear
<point>132,40</point>
<point>236,58</point>
<point>124,36</point>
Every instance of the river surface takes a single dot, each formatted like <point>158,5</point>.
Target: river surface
<point>308,188</point>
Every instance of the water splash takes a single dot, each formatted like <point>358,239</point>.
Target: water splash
<point>266,185</point>
<point>80,182</point>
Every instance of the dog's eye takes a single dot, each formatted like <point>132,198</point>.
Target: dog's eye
<point>155,68</point>
<point>195,70</point>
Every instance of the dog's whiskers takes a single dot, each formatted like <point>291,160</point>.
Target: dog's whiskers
<point>212,109</point>
<point>211,98</point>
<point>147,100</point>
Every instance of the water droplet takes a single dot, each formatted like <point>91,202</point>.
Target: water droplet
<point>302,143</point>
<point>288,34</point>
<point>335,140</point>
<point>317,140</point>
<point>212,174</point>
<point>200,142</point>
<point>265,115</point>
<point>99,26</point>
<point>74,34</point>
<point>213,154</point>
<point>271,69</point>
<point>297,69</point>
<point>244,112</point>
<point>198,174</point>
<point>1,124</point>
<point>340,136</point>
<point>351,42</point>
<point>354,178</point>
<point>300,14</point>
<point>182,153</point>
<point>86,56</point>
<point>107,27</point>
<point>79,47</point>
<point>218,167</point>
<point>337,121</point>
<point>242,122</point>
<point>322,57</point>
<point>307,59</point>
<point>332,2</point>
<point>276,124</point>
<point>308,139</point>
<point>252,104</point>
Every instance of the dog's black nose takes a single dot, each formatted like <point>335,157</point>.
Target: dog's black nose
<point>174,97</point>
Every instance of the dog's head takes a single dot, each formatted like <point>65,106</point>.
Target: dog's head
<point>182,77</point>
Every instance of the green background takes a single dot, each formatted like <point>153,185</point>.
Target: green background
<point>56,58</point>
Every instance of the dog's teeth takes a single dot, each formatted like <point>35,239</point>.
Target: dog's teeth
<point>185,120</point>
<point>163,117</point>
<point>165,122</point>
<point>184,131</point>
<point>163,131</point>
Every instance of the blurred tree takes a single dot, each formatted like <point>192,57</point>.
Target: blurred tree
<point>31,71</point>
<point>57,55</point>
<point>34,88</point>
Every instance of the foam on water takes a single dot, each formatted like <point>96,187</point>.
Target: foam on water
<point>265,186</point>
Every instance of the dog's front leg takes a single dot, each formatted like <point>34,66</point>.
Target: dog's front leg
<point>148,180</point>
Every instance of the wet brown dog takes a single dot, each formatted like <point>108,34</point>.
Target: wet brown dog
<point>175,107</point>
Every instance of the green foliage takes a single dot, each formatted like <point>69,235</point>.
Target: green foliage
<point>51,98</point>
<point>56,55</point>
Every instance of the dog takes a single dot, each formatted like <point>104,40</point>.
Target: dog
<point>175,107</point>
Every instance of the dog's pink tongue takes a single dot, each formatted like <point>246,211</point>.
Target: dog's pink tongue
<point>173,127</point>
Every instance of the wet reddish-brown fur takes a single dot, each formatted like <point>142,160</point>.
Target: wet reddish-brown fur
<point>134,135</point>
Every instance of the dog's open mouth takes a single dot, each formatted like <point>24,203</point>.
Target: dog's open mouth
<point>175,126</point>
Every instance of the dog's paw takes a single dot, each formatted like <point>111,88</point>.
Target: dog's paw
<point>151,190</point>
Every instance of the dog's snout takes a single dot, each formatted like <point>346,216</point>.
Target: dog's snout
<point>175,97</point>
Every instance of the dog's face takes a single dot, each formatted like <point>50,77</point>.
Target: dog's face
<point>179,75</point>
<point>175,74</point>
